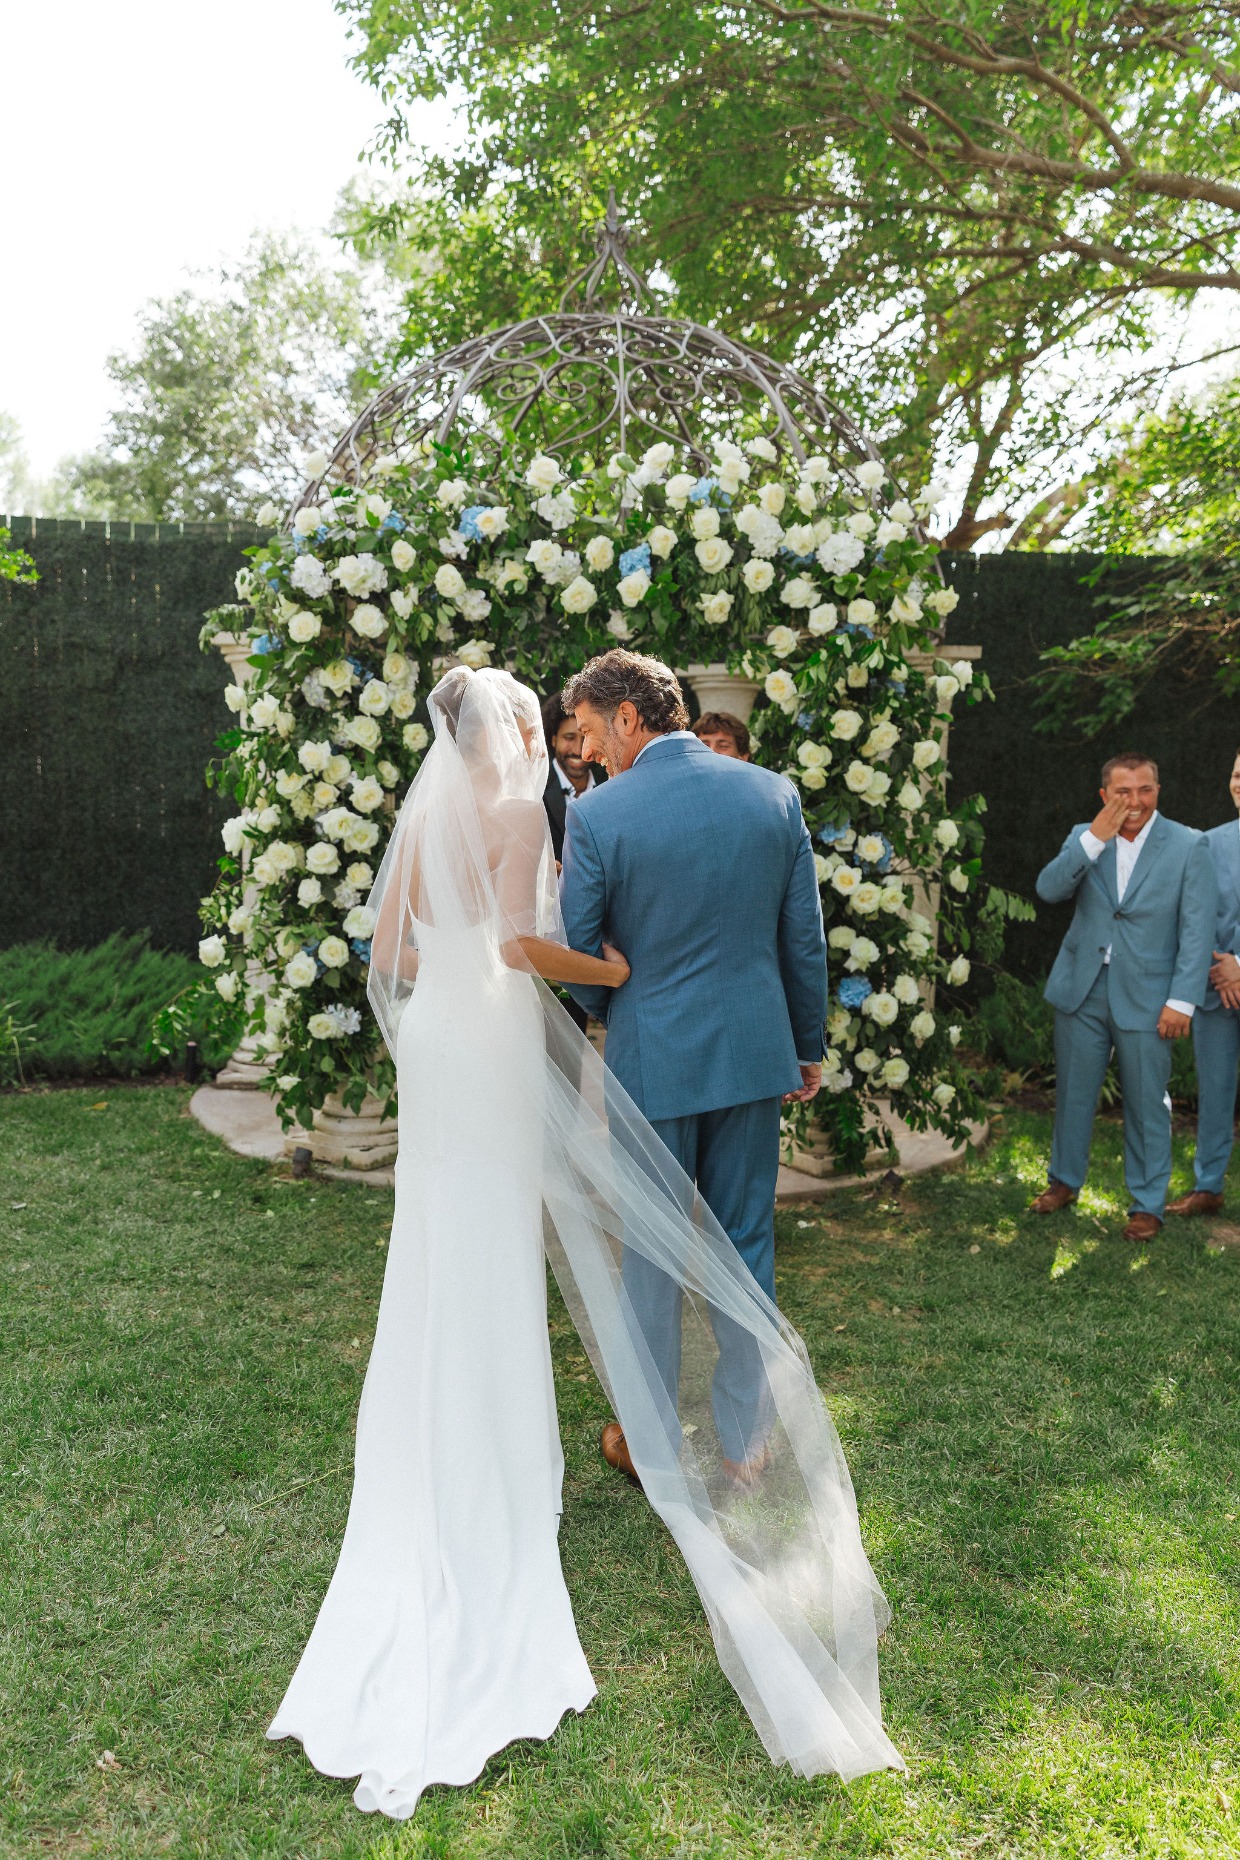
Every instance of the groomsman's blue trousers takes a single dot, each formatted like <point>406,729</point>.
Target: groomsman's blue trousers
<point>1216,1048</point>
<point>1084,1042</point>
<point>733,1155</point>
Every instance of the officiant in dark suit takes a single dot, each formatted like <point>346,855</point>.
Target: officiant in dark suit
<point>568,778</point>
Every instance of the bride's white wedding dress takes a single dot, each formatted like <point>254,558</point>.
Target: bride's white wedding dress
<point>447,1630</point>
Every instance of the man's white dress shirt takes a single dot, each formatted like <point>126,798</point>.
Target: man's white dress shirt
<point>570,793</point>
<point>1127,852</point>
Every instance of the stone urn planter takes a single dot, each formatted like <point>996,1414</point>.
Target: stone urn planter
<point>716,688</point>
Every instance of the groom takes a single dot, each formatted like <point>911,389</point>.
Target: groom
<point>699,867</point>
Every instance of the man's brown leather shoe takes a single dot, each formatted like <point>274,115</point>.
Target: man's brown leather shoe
<point>616,1451</point>
<point>1199,1202</point>
<point>1143,1227</point>
<point>1054,1196</point>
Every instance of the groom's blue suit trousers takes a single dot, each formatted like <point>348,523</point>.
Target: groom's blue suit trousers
<point>1216,1048</point>
<point>733,1155</point>
<point>1084,1042</point>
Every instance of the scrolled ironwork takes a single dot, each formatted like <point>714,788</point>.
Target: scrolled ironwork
<point>586,381</point>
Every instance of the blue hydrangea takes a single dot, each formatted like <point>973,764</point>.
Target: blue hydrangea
<point>895,684</point>
<point>392,521</point>
<point>360,947</point>
<point>363,671</point>
<point>633,559</point>
<point>853,992</point>
<point>265,643</point>
<point>832,831</point>
<point>468,525</point>
<point>851,626</point>
<point>322,533</point>
<point>700,494</point>
<point>805,720</point>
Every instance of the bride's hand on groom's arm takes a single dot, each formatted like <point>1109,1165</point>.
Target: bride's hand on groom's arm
<point>811,1081</point>
<point>612,956</point>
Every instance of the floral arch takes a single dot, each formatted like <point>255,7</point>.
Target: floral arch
<point>531,498</point>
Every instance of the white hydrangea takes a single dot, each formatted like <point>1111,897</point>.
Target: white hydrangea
<point>870,474</point>
<point>360,575</point>
<point>840,554</point>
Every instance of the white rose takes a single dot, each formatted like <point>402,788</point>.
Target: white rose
<point>909,798</point>
<point>962,672</point>
<point>658,457</point>
<point>895,1073</point>
<point>959,971</point>
<point>780,687</point>
<point>375,698</point>
<point>823,618</point>
<point>845,879</point>
<point>953,1034</point>
<point>415,737</point>
<point>618,626</point>
<point>880,1007</point>
<point>882,738</point>
<point>268,516</point>
<point>678,489</point>
<point>264,711</point>
<point>799,592</point>
<point>800,539</point>
<point>309,892</point>
<point>704,523</point>
<point>308,519</point>
<point>661,540</point>
<point>282,856</point>
<point>359,835</point>
<point>315,463</point>
<point>600,553</point>
<point>878,786</point>
<point>757,575</point>
<point>714,554</point>
<point>388,774</point>
<point>367,794</point>
<point>544,555</point>
<point>226,986</point>
<point>813,779</point>
<point>369,621</point>
<point>889,532</point>
<point>917,945</point>
<point>862,952</point>
<point>943,1095</point>
<point>870,848</point>
<point>905,610</point>
<point>958,880</point>
<point>334,951</point>
<point>303,627</point>
<point>943,601</point>
<point>211,951</point>
<point>397,669</point>
<point>861,525</point>
<point>783,640</point>
<point>359,575</point>
<point>857,777</point>
<point>716,608</point>
<point>360,922</point>
<point>905,989</point>
<point>580,595</point>
<point>404,600</point>
<point>842,936</point>
<point>822,868</point>
<point>314,757</point>
<point>867,1060</point>
<point>902,511</point>
<point>772,498</point>
<point>922,1025</point>
<point>452,493</point>
<point>403,556</point>
<point>492,521</point>
<point>947,833</point>
<point>845,724</point>
<point>813,756</point>
<point>339,676</point>
<point>762,449</point>
<point>542,473</point>
<point>449,581</point>
<point>301,971</point>
<point>475,653</point>
<point>234,697</point>
<point>321,1027</point>
<point>925,755</point>
<point>945,689</point>
<point>869,475</point>
<point>364,731</point>
<point>861,613</point>
<point>866,897</point>
<point>634,587</point>
<point>403,703</point>
<point>322,859</point>
<point>893,897</point>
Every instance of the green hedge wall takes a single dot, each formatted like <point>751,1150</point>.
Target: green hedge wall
<point>1038,786</point>
<point>109,713</point>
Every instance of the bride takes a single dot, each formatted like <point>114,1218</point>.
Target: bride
<point>447,1631</point>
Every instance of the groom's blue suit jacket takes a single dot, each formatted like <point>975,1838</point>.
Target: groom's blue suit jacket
<point>1224,844</point>
<point>1160,935</point>
<point>699,867</point>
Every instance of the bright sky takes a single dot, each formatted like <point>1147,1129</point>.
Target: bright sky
<point>139,140</point>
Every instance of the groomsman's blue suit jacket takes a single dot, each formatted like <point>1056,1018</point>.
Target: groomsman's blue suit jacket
<point>1161,937</point>
<point>1224,844</point>
<point>699,867</point>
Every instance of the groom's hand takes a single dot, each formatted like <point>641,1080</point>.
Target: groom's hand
<point>811,1080</point>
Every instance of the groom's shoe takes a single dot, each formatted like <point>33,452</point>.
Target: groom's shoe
<point>616,1451</point>
<point>1054,1196</point>
<point>1142,1227</point>
<point>1200,1201</point>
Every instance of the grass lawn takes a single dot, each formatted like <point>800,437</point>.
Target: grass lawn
<point>1042,1425</point>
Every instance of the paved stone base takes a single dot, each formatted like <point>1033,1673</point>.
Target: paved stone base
<point>247,1122</point>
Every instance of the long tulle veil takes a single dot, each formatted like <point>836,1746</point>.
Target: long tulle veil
<point>793,1605</point>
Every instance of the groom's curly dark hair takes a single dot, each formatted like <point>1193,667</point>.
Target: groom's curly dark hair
<point>648,684</point>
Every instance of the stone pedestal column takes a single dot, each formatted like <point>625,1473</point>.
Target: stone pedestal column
<point>716,688</point>
<point>346,1139</point>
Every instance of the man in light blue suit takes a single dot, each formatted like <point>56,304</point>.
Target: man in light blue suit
<point>699,868</point>
<point>1216,1029</point>
<point>1128,978</point>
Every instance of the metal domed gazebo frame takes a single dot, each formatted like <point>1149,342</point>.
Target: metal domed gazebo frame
<point>586,379</point>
